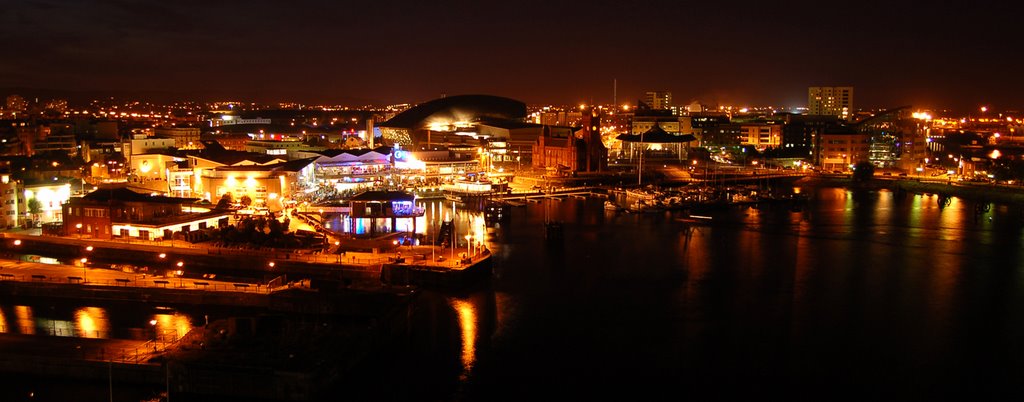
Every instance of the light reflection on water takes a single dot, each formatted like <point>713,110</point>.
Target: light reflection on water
<point>92,322</point>
<point>468,326</point>
<point>857,290</point>
<point>171,326</point>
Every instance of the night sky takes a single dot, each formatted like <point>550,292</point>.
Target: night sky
<point>935,56</point>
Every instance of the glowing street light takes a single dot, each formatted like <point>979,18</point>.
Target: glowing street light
<point>85,275</point>
<point>180,273</point>
<point>79,227</point>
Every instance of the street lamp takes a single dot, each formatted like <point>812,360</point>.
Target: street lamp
<point>85,276</point>
<point>271,264</point>
<point>79,227</point>
<point>180,272</point>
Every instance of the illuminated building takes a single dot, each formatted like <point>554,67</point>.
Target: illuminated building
<point>266,185</point>
<point>512,142</point>
<point>762,136</point>
<point>376,212</point>
<point>656,143</point>
<point>580,151</point>
<point>11,201</point>
<point>448,121</point>
<point>830,101</point>
<point>184,137</point>
<point>658,100</point>
<point>122,213</point>
<point>285,148</point>
<point>839,148</point>
<point>50,194</point>
<point>351,168</point>
<point>141,144</point>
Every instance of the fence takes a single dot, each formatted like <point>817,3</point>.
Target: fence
<point>143,282</point>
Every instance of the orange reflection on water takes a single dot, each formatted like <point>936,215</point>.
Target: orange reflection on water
<point>92,322</point>
<point>26,323</point>
<point>468,324</point>
<point>3,322</point>
<point>170,327</point>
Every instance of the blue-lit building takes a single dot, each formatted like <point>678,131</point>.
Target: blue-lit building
<point>379,212</point>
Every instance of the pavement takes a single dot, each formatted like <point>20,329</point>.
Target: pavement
<point>22,271</point>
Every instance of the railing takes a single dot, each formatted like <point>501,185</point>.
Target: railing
<point>144,282</point>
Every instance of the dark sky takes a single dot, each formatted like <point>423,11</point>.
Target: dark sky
<point>934,56</point>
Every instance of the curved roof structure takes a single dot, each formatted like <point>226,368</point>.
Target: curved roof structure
<point>656,135</point>
<point>458,108</point>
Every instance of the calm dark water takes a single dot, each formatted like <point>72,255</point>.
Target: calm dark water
<point>859,296</point>
<point>862,295</point>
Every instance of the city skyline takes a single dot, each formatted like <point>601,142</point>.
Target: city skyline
<point>948,57</point>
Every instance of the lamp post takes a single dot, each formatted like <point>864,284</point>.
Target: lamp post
<point>469,242</point>
<point>85,276</point>
<point>79,227</point>
<point>180,272</point>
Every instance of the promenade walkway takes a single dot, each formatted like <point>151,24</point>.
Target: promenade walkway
<point>21,271</point>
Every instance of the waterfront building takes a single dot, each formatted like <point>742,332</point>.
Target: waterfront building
<point>579,152</point>
<point>830,101</point>
<point>123,213</point>
<point>841,148</point>
<point>897,139</point>
<point>350,169</point>
<point>448,121</point>
<point>800,131</point>
<point>269,186</point>
<point>762,135</point>
<point>378,212</point>
<point>511,142</point>
<point>656,143</point>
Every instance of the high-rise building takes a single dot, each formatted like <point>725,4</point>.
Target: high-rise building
<point>658,100</point>
<point>830,101</point>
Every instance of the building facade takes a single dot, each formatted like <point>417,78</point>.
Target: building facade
<point>830,101</point>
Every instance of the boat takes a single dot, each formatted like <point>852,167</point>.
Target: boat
<point>611,206</point>
<point>695,219</point>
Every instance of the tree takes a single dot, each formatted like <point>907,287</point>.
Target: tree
<point>34,207</point>
<point>863,171</point>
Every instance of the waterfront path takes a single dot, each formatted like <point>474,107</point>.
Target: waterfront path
<point>32,272</point>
